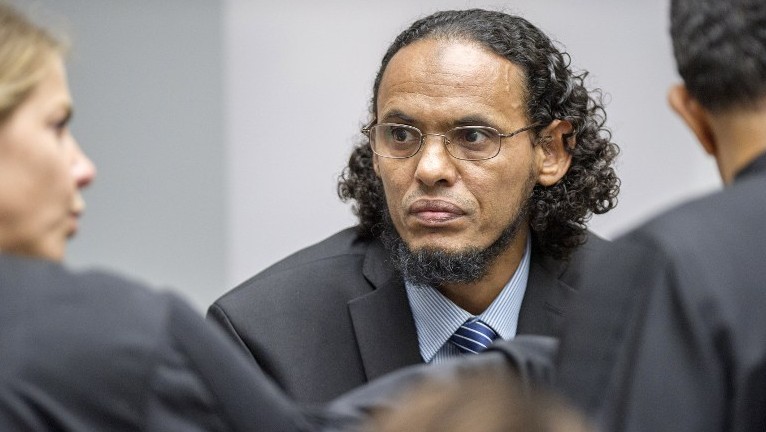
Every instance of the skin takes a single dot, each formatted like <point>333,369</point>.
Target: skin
<point>42,170</point>
<point>442,203</point>
<point>734,137</point>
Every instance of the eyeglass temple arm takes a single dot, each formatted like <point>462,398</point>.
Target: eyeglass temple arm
<point>366,129</point>
<point>516,132</point>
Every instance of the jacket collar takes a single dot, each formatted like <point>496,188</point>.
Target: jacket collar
<point>383,323</point>
<point>756,166</point>
<point>546,296</point>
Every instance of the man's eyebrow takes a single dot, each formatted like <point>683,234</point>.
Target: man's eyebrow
<point>475,120</point>
<point>397,115</point>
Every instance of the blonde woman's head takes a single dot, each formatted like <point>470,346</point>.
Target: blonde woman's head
<point>42,168</point>
<point>26,50</point>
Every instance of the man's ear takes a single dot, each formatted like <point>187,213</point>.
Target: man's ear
<point>694,115</point>
<point>554,159</point>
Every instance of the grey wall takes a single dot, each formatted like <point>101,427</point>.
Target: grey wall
<point>219,127</point>
<point>147,83</point>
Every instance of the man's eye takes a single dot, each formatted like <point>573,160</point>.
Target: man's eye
<point>473,136</point>
<point>401,134</point>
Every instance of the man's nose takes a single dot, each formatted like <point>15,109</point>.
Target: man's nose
<point>435,165</point>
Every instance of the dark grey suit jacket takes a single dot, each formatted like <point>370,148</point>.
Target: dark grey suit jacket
<point>671,334</point>
<point>93,352</point>
<point>335,315</point>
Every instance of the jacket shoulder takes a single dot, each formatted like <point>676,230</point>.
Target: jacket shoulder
<point>336,258</point>
<point>571,269</point>
<point>91,339</point>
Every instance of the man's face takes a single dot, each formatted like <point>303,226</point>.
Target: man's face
<point>41,171</point>
<point>437,202</point>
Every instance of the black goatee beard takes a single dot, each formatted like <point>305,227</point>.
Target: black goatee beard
<point>437,267</point>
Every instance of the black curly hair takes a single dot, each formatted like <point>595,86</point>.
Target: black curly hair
<point>557,213</point>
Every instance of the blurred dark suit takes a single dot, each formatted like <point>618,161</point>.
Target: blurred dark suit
<point>671,333</point>
<point>93,352</point>
<point>526,364</point>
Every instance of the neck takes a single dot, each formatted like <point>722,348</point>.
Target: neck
<point>741,137</point>
<point>475,297</point>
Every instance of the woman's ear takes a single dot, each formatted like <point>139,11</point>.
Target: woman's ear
<point>694,115</point>
<point>554,158</point>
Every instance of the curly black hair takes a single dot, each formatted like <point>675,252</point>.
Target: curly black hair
<point>558,213</point>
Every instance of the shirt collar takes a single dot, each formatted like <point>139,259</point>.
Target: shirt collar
<point>437,318</point>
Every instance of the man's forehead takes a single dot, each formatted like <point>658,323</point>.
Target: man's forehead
<point>451,61</point>
<point>460,76</point>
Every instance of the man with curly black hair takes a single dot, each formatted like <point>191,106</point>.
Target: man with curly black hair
<point>484,157</point>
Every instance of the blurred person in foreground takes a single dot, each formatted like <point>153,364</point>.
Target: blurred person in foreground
<point>480,401</point>
<point>671,335</point>
<point>91,351</point>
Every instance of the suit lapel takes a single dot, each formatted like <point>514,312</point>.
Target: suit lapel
<point>382,319</point>
<point>385,330</point>
<point>546,296</point>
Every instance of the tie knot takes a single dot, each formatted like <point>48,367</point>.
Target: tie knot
<point>474,336</point>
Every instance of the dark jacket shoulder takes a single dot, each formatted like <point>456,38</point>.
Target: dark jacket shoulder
<point>84,351</point>
<point>323,269</point>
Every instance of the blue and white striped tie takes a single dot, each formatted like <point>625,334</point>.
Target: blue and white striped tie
<point>473,337</point>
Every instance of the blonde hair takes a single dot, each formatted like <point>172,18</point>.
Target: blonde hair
<point>25,52</point>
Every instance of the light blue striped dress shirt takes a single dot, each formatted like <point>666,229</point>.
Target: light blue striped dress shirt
<point>436,317</point>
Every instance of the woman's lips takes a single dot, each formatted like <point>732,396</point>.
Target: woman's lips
<point>74,218</point>
<point>75,212</point>
<point>435,211</point>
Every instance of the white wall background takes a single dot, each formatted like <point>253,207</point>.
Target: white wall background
<point>220,127</point>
